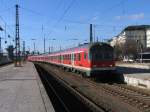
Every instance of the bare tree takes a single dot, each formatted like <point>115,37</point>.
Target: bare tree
<point>130,48</point>
<point>118,51</point>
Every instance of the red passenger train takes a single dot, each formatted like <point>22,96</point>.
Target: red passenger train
<point>87,59</point>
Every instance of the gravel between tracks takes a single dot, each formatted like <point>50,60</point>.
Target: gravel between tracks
<point>94,92</point>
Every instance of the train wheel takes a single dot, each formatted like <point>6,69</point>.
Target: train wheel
<point>84,75</point>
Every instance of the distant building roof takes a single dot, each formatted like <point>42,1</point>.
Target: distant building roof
<point>137,27</point>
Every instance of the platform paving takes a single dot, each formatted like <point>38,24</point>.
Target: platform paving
<point>22,91</point>
<point>134,65</point>
<point>135,74</point>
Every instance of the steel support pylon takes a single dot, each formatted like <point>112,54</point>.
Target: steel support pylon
<point>17,40</point>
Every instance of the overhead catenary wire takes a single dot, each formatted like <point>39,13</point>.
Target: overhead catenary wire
<point>6,26</point>
<point>78,22</point>
<point>122,2</point>
<point>63,14</point>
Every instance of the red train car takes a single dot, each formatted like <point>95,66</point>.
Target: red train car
<point>88,59</point>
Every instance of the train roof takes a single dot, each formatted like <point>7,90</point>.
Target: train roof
<point>81,46</point>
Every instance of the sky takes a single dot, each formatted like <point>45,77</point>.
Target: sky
<point>65,23</point>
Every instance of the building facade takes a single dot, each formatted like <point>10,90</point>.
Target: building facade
<point>139,33</point>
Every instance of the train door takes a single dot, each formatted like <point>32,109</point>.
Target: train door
<point>72,59</point>
<point>61,59</point>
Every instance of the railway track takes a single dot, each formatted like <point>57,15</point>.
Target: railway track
<point>65,98</point>
<point>133,97</point>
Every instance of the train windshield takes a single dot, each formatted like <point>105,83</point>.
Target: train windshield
<point>103,52</point>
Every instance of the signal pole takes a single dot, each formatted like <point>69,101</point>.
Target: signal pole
<point>17,40</point>
<point>44,43</point>
<point>24,50</point>
<point>91,34</point>
<point>34,50</point>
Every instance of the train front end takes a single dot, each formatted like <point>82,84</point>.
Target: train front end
<point>101,59</point>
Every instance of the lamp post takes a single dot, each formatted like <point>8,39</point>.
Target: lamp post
<point>51,47</point>
<point>33,45</point>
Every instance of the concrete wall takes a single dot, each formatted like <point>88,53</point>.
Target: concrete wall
<point>4,60</point>
<point>148,37</point>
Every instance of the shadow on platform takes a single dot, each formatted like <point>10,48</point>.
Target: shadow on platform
<point>127,70</point>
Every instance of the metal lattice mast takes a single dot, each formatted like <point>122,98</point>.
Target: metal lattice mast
<point>17,40</point>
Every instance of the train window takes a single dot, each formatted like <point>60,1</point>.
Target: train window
<point>79,57</point>
<point>85,55</point>
<point>68,56</point>
<point>108,55</point>
<point>74,57</point>
<point>59,57</point>
<point>62,57</point>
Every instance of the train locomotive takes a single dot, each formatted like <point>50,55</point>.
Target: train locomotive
<point>88,59</point>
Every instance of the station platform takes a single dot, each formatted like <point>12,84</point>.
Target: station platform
<point>135,74</point>
<point>134,65</point>
<point>21,90</point>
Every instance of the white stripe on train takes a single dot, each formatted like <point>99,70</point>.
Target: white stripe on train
<point>84,68</point>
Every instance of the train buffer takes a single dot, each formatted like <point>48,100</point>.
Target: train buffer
<point>21,90</point>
